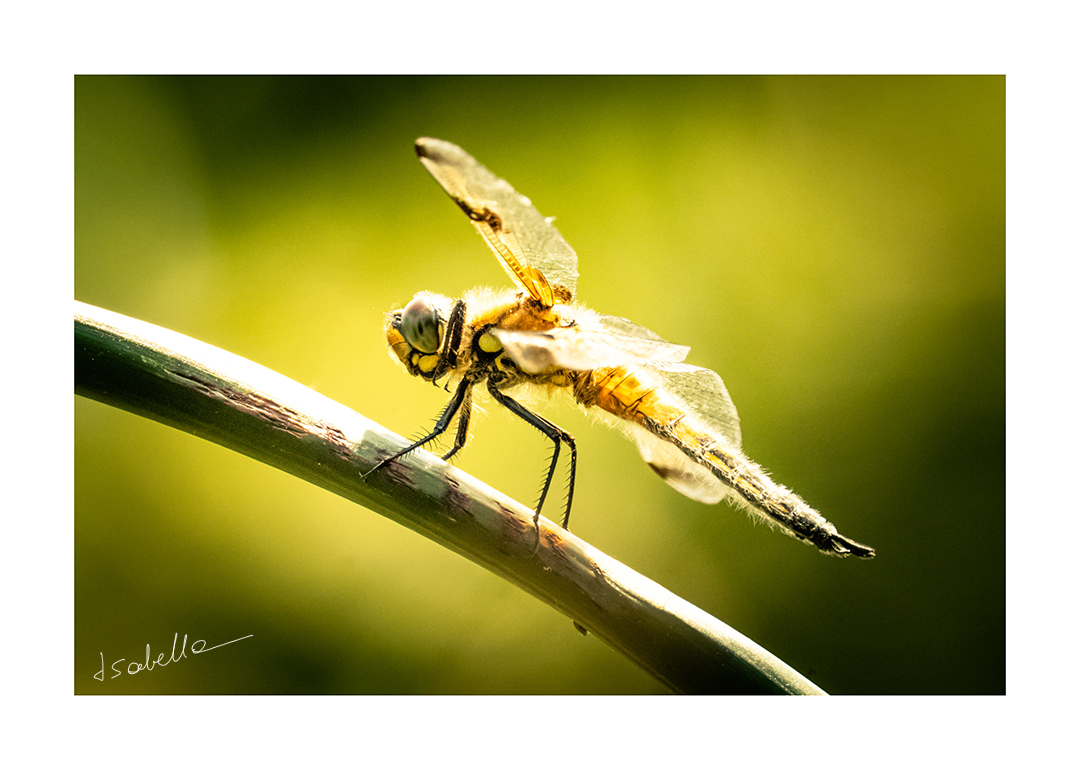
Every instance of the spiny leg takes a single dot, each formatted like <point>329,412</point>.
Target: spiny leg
<point>462,435</point>
<point>557,436</point>
<point>455,325</point>
<point>463,393</point>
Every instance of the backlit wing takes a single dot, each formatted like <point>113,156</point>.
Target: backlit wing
<point>529,246</point>
<point>675,467</point>
<point>609,341</point>
<point>701,393</point>
<point>704,394</point>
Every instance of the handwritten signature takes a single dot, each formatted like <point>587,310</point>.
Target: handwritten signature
<point>134,667</point>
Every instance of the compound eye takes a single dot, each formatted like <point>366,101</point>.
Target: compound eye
<point>420,325</point>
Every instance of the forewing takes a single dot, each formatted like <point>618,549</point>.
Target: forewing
<point>576,349</point>
<point>529,246</point>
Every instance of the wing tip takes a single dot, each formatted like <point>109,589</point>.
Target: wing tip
<point>433,148</point>
<point>422,146</point>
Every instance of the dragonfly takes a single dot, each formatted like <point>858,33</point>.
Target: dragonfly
<point>536,339</point>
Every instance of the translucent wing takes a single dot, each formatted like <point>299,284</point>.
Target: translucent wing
<point>703,395</point>
<point>530,248</point>
<point>624,326</point>
<point>614,342</point>
<point>681,473</point>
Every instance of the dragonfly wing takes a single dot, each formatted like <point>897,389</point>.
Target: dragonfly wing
<point>678,471</point>
<point>576,349</point>
<point>528,245</point>
<point>704,394</point>
<point>624,326</point>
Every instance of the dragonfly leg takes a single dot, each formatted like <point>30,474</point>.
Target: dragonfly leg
<point>557,436</point>
<point>463,396</point>
<point>448,353</point>
<point>462,434</point>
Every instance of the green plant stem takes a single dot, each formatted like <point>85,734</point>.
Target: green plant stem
<point>231,401</point>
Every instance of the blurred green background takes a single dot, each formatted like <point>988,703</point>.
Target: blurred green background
<point>833,247</point>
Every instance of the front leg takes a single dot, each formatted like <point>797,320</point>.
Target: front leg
<point>448,353</point>
<point>462,435</point>
<point>462,397</point>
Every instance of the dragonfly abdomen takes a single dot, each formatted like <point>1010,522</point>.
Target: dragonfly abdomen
<point>752,489</point>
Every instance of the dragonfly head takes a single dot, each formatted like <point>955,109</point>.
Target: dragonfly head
<point>415,334</point>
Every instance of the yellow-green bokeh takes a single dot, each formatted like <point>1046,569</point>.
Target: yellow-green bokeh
<point>833,247</point>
